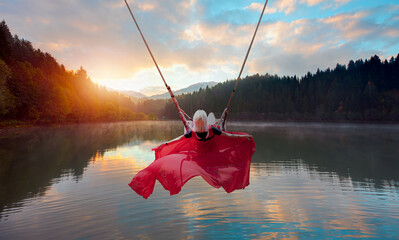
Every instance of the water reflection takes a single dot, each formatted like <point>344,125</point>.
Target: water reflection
<point>362,152</point>
<point>32,159</point>
<point>307,181</point>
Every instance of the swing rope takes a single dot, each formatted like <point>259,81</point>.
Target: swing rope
<point>181,112</point>
<point>226,110</point>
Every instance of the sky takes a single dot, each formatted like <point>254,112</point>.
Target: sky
<point>203,40</point>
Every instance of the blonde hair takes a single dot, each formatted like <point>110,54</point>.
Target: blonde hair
<point>200,121</point>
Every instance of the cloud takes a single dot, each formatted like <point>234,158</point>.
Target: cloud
<point>146,6</point>
<point>289,6</point>
<point>311,2</point>
<point>316,2</point>
<point>392,33</point>
<point>342,1</point>
<point>56,47</point>
<point>358,26</point>
<point>202,40</point>
<point>350,31</point>
<point>286,6</point>
<point>259,7</point>
<point>188,4</point>
<point>302,36</point>
<point>117,4</point>
<point>222,34</point>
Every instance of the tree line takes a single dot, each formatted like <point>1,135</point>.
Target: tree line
<point>34,87</point>
<point>362,90</point>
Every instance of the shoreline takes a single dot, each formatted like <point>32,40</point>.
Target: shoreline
<point>16,124</point>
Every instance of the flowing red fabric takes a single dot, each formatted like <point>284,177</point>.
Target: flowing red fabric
<point>222,161</point>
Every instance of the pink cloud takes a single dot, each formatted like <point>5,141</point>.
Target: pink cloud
<point>286,6</point>
<point>311,2</point>
<point>146,6</point>
<point>223,34</point>
<point>259,6</point>
<point>349,25</point>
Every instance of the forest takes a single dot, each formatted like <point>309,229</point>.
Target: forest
<point>361,91</point>
<point>35,88</point>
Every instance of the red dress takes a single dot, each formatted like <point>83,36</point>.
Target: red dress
<point>222,161</point>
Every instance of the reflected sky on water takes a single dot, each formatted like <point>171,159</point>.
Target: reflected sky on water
<point>307,181</point>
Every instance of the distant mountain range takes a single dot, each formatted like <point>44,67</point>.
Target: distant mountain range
<point>134,94</point>
<point>189,89</point>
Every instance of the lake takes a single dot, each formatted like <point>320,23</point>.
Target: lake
<point>308,181</point>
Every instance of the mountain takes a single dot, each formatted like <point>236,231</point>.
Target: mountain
<point>189,89</point>
<point>134,94</point>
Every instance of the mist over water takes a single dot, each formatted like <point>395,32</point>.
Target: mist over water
<point>307,180</point>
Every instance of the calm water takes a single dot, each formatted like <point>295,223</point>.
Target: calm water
<point>307,181</point>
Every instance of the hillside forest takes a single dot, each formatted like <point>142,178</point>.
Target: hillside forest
<point>35,88</point>
<point>361,91</point>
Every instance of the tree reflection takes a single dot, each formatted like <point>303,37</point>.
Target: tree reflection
<point>31,159</point>
<point>363,153</point>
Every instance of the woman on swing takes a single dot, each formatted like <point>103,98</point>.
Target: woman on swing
<point>221,158</point>
<point>205,128</point>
